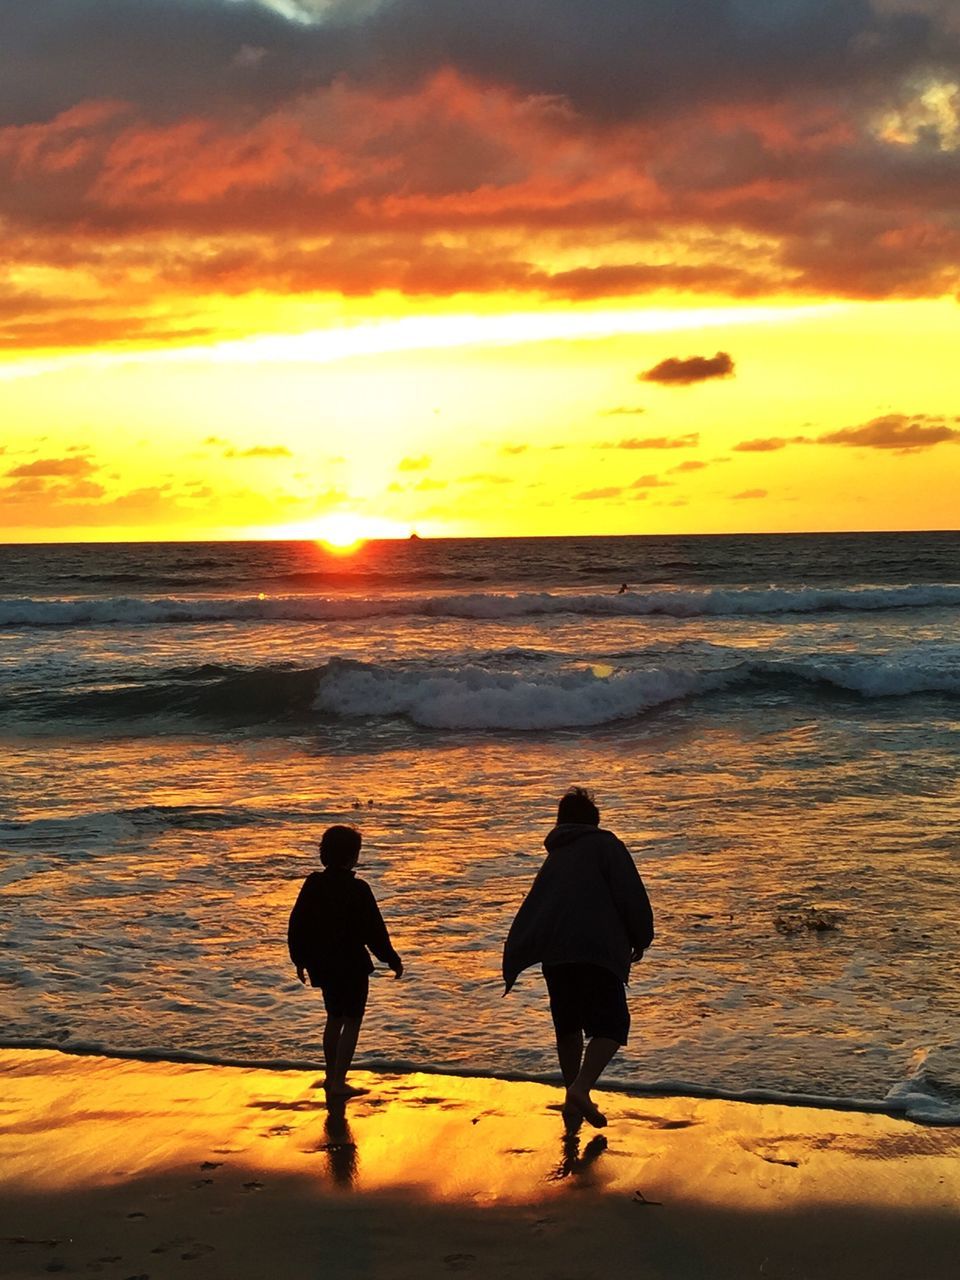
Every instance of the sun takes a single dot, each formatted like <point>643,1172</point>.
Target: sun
<point>341,533</point>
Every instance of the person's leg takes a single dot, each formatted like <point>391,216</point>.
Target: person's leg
<point>346,1044</point>
<point>331,1039</point>
<point>570,1054</point>
<point>561,980</point>
<point>607,1022</point>
<point>598,1053</point>
<point>353,997</point>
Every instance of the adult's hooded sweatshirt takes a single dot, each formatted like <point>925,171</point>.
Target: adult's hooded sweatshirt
<point>587,905</point>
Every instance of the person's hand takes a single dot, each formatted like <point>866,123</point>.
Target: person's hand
<point>301,973</point>
<point>396,964</point>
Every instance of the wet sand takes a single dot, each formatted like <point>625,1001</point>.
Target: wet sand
<point>142,1171</point>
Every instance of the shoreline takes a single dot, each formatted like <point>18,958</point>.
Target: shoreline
<point>127,1168</point>
<point>909,1107</point>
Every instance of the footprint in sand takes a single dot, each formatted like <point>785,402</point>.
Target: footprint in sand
<point>211,1164</point>
<point>196,1251</point>
<point>253,1186</point>
<point>459,1261</point>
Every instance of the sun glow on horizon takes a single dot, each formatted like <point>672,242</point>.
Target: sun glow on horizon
<point>344,532</point>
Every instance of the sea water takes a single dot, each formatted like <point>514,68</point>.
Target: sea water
<point>771,724</point>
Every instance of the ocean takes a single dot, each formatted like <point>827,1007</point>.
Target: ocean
<point>770,723</point>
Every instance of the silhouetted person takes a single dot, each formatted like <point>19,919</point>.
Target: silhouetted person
<point>586,919</point>
<point>333,922</point>
<point>623,589</point>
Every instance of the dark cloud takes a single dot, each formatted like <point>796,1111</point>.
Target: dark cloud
<point>688,441</point>
<point>688,466</point>
<point>895,431</point>
<point>678,372</point>
<point>751,493</point>
<point>649,482</point>
<point>633,58</point>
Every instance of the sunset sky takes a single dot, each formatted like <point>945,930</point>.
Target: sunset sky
<point>279,268</point>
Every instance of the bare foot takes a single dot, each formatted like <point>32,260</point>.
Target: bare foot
<point>342,1090</point>
<point>572,1117</point>
<point>586,1106</point>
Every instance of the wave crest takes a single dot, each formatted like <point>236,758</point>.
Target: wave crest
<point>477,698</point>
<point>707,602</point>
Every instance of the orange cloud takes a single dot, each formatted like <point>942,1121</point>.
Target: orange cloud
<point>688,441</point>
<point>436,149</point>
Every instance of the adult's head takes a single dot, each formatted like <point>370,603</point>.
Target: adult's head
<point>340,846</point>
<point>577,805</point>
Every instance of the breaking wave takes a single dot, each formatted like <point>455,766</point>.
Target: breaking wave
<point>474,697</point>
<point>710,602</point>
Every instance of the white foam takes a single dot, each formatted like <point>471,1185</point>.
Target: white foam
<point>475,699</point>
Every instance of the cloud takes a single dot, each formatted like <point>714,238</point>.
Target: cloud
<point>688,466</point>
<point>688,441</point>
<point>261,451</point>
<point>72,466</point>
<point>895,431</point>
<point>485,477</point>
<point>622,409</point>
<point>676,371</point>
<point>439,149</point>
<point>514,448</point>
<point>414,464</point>
<point>649,482</point>
<point>769,444</point>
<point>590,495</point>
<point>751,493</point>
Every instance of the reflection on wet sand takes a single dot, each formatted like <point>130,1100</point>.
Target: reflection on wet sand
<point>573,1161</point>
<point>151,1164</point>
<point>338,1144</point>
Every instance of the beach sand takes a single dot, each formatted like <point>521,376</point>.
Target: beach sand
<point>133,1169</point>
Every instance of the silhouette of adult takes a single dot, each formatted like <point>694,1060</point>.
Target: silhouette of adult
<point>585,920</point>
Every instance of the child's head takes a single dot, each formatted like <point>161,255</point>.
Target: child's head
<point>340,847</point>
<point>577,805</point>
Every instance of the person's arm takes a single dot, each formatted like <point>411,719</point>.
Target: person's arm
<point>375,935</point>
<point>297,929</point>
<point>631,898</point>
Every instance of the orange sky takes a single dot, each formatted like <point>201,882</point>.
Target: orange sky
<point>498,268</point>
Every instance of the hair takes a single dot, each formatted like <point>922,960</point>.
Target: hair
<point>577,805</point>
<point>339,846</point>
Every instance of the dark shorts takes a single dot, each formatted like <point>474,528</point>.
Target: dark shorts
<point>587,998</point>
<point>344,994</point>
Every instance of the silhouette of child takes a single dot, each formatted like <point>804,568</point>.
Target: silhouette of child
<point>333,922</point>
